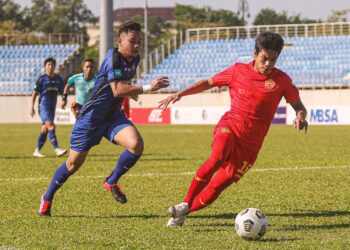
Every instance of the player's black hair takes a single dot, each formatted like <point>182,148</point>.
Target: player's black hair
<point>269,41</point>
<point>129,26</point>
<point>50,59</point>
<point>89,60</point>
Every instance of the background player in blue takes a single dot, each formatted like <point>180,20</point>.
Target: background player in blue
<point>101,116</point>
<point>83,83</point>
<point>47,86</point>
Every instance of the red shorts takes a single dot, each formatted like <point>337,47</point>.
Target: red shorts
<point>240,156</point>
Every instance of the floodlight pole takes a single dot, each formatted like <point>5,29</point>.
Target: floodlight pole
<point>244,8</point>
<point>106,27</point>
<point>146,38</point>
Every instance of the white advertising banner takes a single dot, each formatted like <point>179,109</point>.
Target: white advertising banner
<point>323,115</point>
<point>64,116</point>
<point>197,115</point>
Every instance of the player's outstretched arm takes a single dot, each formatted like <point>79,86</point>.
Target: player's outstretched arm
<point>32,102</point>
<point>121,88</point>
<point>300,122</point>
<point>195,88</point>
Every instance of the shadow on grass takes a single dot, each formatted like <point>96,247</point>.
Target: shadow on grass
<point>21,157</point>
<point>215,227</point>
<point>132,216</point>
<point>313,214</point>
<point>141,160</point>
<point>112,154</point>
<point>215,216</point>
<point>277,239</point>
<point>316,227</point>
<point>145,157</point>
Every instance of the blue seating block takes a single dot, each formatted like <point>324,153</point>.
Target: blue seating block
<point>310,61</point>
<point>21,65</point>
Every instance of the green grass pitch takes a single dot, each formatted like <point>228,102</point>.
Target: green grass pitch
<point>302,183</point>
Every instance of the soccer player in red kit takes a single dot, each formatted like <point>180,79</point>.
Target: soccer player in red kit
<point>126,106</point>
<point>255,90</point>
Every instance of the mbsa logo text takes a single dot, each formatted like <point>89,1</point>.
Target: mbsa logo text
<point>324,115</point>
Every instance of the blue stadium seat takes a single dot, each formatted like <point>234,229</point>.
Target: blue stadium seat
<point>22,65</point>
<point>310,61</point>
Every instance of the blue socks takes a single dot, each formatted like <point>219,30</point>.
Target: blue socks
<point>53,139</point>
<point>125,162</point>
<point>60,177</point>
<point>41,140</point>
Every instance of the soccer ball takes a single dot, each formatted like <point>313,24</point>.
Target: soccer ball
<point>251,224</point>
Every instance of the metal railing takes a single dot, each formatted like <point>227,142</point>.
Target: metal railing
<point>42,38</point>
<point>160,53</point>
<point>239,32</point>
<point>285,30</point>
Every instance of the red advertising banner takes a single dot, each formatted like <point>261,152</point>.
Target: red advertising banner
<point>150,116</point>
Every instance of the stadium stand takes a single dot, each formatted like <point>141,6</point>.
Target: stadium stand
<point>21,65</point>
<point>312,62</point>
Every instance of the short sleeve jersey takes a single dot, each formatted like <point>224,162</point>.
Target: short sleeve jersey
<point>255,97</point>
<point>83,87</point>
<point>48,89</point>
<point>101,104</point>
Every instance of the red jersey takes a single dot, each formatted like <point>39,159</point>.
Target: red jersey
<point>254,100</point>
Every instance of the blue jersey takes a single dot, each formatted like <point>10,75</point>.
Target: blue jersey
<point>102,105</point>
<point>101,115</point>
<point>48,89</point>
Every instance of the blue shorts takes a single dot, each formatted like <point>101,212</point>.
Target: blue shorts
<point>46,115</point>
<point>88,133</point>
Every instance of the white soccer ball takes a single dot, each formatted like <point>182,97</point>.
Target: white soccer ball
<point>251,224</point>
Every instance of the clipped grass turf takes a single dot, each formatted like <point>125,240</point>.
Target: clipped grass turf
<point>300,181</point>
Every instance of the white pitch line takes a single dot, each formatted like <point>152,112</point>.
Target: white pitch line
<point>298,168</point>
<point>181,174</point>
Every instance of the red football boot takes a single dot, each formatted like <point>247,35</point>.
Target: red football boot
<point>117,193</point>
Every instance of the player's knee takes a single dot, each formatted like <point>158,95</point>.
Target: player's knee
<point>136,146</point>
<point>217,158</point>
<point>73,166</point>
<point>44,129</point>
<point>50,127</point>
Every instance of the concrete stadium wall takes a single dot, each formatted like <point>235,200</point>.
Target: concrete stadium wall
<point>15,109</point>
<point>309,98</point>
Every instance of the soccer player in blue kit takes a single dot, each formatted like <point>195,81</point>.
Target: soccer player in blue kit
<point>101,116</point>
<point>47,86</point>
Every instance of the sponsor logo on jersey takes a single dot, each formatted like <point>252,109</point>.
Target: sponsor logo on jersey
<point>270,84</point>
<point>225,130</point>
<point>117,73</point>
<point>52,89</point>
